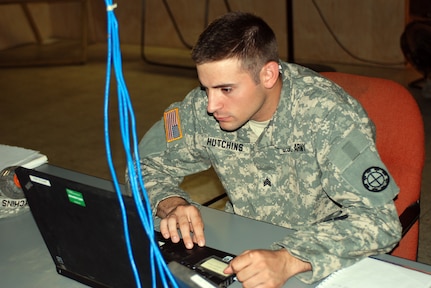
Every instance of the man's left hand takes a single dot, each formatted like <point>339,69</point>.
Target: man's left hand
<point>265,268</point>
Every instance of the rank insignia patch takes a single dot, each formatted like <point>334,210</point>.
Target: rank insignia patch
<point>267,182</point>
<point>172,125</point>
<point>375,179</point>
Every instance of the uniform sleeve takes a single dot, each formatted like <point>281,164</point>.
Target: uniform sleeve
<point>169,152</point>
<point>355,179</point>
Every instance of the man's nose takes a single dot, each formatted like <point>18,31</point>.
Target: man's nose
<point>213,101</point>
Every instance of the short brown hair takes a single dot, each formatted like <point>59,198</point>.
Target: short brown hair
<point>238,35</point>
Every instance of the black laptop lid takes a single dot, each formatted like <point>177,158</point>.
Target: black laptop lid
<point>80,220</point>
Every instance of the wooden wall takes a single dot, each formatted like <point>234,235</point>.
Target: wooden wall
<point>369,29</point>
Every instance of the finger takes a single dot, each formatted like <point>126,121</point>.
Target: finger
<point>240,266</point>
<point>185,228</point>
<point>240,263</point>
<point>199,239</point>
<point>172,225</point>
<point>228,270</point>
<point>164,228</point>
<point>197,227</point>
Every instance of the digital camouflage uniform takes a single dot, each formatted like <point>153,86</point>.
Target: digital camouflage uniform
<point>314,169</point>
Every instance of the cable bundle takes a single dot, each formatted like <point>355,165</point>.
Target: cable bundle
<point>130,144</point>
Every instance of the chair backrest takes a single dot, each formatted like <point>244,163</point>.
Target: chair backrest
<point>399,137</point>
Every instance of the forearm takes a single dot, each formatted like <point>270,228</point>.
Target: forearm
<point>161,186</point>
<point>332,245</point>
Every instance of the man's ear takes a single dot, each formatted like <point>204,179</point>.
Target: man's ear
<point>269,74</point>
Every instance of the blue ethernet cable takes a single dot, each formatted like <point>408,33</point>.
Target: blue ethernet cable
<point>130,144</point>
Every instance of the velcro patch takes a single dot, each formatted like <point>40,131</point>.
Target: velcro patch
<point>172,125</point>
<point>361,167</point>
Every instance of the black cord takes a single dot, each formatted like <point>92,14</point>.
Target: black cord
<point>344,48</point>
<point>227,5</point>
<point>176,27</point>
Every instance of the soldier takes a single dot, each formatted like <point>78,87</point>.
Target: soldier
<point>290,147</point>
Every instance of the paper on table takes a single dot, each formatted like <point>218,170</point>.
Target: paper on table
<point>12,198</point>
<point>17,156</point>
<point>372,273</point>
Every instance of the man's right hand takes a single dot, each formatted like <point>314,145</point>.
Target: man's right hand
<point>177,213</point>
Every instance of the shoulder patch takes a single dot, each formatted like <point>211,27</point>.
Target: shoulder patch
<point>375,179</point>
<point>172,125</point>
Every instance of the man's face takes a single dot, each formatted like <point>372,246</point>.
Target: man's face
<point>233,96</point>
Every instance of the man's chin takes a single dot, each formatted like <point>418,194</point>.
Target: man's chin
<point>229,127</point>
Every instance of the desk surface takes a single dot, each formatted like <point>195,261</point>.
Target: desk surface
<point>26,262</point>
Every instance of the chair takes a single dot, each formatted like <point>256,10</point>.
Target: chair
<point>400,142</point>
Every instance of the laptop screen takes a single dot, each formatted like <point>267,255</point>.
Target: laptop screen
<point>80,220</point>
<point>82,227</point>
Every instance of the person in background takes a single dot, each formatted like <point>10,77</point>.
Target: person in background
<point>290,147</point>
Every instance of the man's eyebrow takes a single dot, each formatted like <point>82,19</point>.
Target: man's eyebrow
<point>217,86</point>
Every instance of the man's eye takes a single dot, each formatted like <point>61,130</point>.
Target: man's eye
<point>226,89</point>
<point>204,89</point>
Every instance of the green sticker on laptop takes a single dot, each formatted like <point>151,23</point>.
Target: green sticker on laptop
<point>75,197</point>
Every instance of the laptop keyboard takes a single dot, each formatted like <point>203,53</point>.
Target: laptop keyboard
<point>194,259</point>
<point>175,251</point>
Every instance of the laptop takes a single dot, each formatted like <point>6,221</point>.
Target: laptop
<point>80,220</point>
